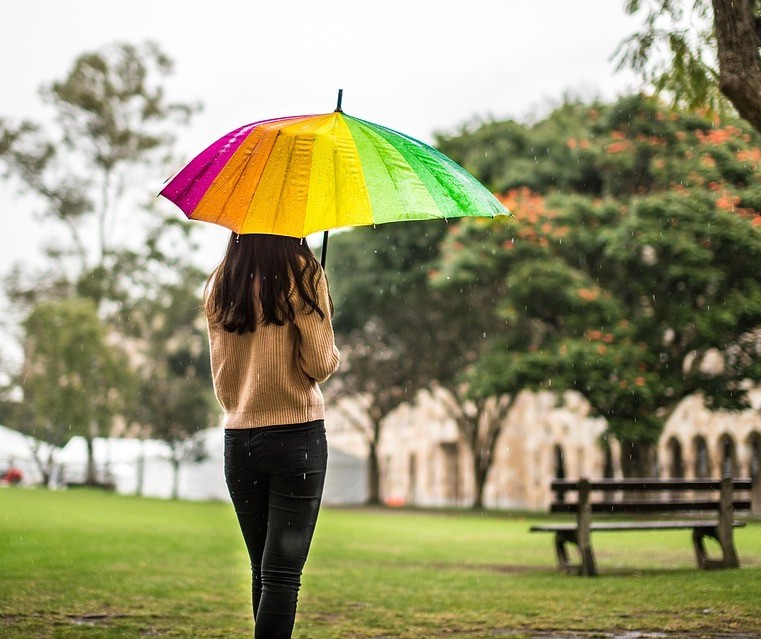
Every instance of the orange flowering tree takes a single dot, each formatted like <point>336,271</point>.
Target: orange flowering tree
<point>631,271</point>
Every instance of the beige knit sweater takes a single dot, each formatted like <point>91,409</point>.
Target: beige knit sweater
<point>269,377</point>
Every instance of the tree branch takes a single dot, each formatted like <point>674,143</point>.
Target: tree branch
<point>739,62</point>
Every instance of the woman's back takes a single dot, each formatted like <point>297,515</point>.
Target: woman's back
<point>270,333</point>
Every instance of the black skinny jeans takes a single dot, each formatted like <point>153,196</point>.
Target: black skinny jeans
<point>275,476</point>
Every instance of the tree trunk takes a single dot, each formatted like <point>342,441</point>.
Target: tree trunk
<point>373,475</point>
<point>140,469</point>
<point>637,459</point>
<point>175,478</point>
<point>479,477</point>
<point>90,476</point>
<point>44,468</point>
<point>739,62</point>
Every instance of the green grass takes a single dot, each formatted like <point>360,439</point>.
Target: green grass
<point>101,566</point>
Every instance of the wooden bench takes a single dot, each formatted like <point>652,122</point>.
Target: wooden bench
<point>708,506</point>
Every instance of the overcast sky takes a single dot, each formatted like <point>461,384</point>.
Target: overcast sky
<point>418,66</point>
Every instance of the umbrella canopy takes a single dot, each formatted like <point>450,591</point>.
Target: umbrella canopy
<point>298,175</point>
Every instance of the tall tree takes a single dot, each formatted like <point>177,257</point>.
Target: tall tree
<point>637,298</point>
<point>383,322</point>
<point>175,399</point>
<point>113,129</point>
<point>112,133</point>
<point>74,381</point>
<point>698,51</point>
<point>463,322</point>
<point>403,328</point>
<point>479,419</point>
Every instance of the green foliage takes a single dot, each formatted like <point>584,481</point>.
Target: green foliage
<point>399,334</point>
<point>629,272</point>
<point>74,380</point>
<point>675,52</point>
<point>175,399</point>
<point>628,297</point>
<point>386,320</point>
<point>385,312</point>
<point>633,146</point>
<point>370,266</point>
<point>111,108</point>
<point>539,156</point>
<point>114,128</point>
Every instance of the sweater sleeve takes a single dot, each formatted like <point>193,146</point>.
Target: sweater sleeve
<point>318,355</point>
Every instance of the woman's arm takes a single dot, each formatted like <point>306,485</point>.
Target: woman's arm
<point>318,355</point>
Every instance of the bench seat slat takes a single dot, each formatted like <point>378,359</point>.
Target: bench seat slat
<point>649,506</point>
<point>614,485</point>
<point>634,525</point>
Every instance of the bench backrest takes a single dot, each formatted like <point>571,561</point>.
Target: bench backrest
<point>652,495</point>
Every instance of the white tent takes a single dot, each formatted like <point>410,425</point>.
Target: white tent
<point>119,461</point>
<point>346,479</point>
<point>18,450</point>
<point>138,465</point>
<point>345,482</point>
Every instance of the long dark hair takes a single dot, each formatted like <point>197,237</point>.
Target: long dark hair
<point>265,265</point>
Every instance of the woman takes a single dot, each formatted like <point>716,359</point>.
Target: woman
<point>269,317</point>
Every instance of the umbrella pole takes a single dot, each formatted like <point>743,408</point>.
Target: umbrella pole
<point>324,255</point>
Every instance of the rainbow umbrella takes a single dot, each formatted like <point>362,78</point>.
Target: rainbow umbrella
<point>299,175</point>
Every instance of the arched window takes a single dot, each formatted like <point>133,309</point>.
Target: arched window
<point>702,462</point>
<point>559,469</point>
<point>728,456</point>
<point>754,470</point>
<point>675,460</point>
<point>754,467</point>
<point>608,472</point>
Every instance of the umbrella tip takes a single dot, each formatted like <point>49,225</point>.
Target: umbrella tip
<point>338,104</point>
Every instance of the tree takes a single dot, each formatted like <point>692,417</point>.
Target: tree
<point>22,416</point>
<point>696,53</point>
<point>382,322</point>
<point>637,298</point>
<point>114,129</point>
<point>74,382</point>
<point>403,328</point>
<point>377,373</point>
<point>175,399</point>
<point>479,421</point>
<point>462,326</point>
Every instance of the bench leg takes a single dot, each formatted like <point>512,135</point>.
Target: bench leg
<point>587,566</point>
<point>729,554</point>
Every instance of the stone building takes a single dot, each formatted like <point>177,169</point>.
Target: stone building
<point>424,462</point>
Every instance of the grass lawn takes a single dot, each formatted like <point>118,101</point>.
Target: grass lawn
<point>87,564</point>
